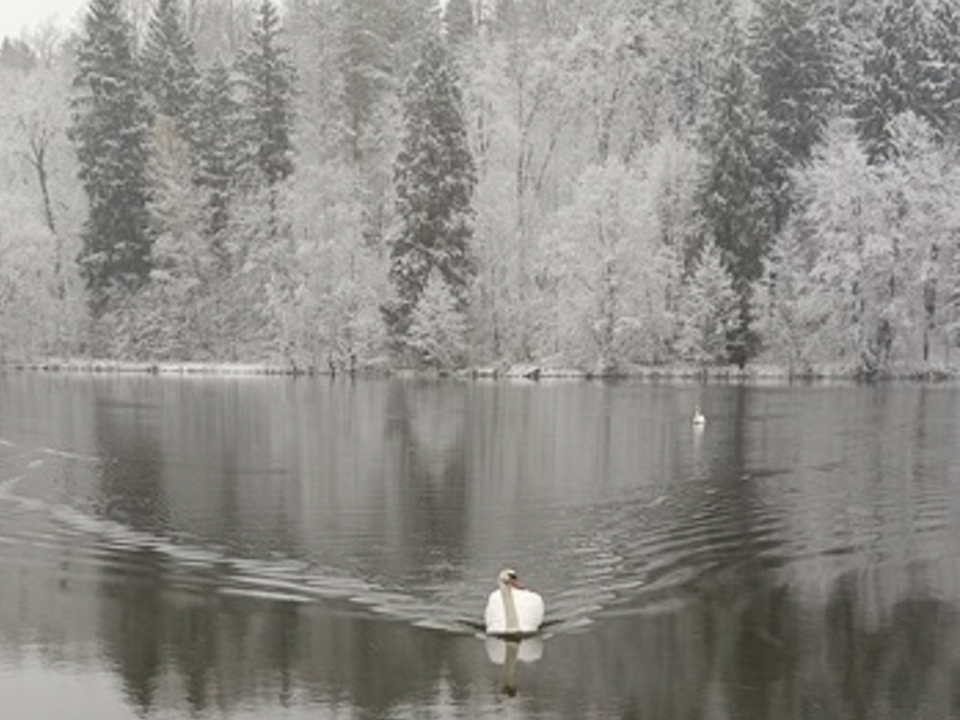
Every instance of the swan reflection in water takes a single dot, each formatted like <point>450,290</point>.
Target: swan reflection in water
<point>510,652</point>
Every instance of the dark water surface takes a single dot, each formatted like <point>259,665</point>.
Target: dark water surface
<point>272,548</point>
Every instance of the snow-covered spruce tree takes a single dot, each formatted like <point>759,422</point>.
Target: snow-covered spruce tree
<point>793,51</point>
<point>170,75</point>
<point>110,126</point>
<point>181,279</point>
<point>168,318</point>
<point>740,188</point>
<point>946,66</point>
<point>267,82</point>
<point>438,330</point>
<point>373,51</point>
<point>434,178</point>
<point>218,151</point>
<point>708,310</point>
<point>913,65</point>
<point>259,250</point>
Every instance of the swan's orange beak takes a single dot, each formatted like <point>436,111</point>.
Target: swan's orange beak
<point>516,583</point>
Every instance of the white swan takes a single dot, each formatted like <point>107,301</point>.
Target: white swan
<point>698,418</point>
<point>511,609</point>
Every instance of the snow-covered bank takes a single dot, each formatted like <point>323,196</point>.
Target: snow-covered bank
<point>522,372</point>
<point>160,368</point>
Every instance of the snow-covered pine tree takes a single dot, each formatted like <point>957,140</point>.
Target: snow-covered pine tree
<point>891,76</point>
<point>375,52</point>
<point>267,82</point>
<point>218,150</point>
<point>914,65</point>
<point>709,311</point>
<point>945,67</point>
<point>170,75</point>
<point>438,328</point>
<point>172,86</point>
<point>739,192</point>
<point>110,127</point>
<point>373,48</point>
<point>434,178</point>
<point>793,52</point>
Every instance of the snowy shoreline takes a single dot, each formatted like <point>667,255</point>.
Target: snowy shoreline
<point>526,372</point>
<point>127,367</point>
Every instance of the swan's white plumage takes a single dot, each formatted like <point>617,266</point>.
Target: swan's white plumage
<point>698,417</point>
<point>529,608</point>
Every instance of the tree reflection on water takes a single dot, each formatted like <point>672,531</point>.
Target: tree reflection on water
<point>299,549</point>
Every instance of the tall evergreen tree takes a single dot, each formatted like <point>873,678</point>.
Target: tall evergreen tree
<point>110,126</point>
<point>892,76</point>
<point>740,191</point>
<point>434,178</point>
<point>793,55</point>
<point>438,331</point>
<point>267,81</point>
<point>170,75</point>
<point>377,49</point>
<point>945,66</point>
<point>709,310</point>
<point>913,66</point>
<point>172,87</point>
<point>218,150</point>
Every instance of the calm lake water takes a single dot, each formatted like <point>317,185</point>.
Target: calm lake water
<point>276,548</point>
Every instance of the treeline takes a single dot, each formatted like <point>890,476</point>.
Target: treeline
<point>598,184</point>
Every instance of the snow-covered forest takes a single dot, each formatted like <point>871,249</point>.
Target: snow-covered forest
<point>594,184</point>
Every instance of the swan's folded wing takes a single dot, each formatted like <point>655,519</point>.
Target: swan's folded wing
<point>530,610</point>
<point>495,617</point>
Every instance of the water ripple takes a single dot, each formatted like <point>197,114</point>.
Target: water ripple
<point>57,529</point>
<point>645,552</point>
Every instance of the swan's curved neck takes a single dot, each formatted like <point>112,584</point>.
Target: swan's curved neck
<point>510,608</point>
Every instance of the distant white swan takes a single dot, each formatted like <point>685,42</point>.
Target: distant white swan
<point>512,610</point>
<point>698,418</point>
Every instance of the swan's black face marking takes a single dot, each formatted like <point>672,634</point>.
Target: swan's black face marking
<point>512,579</point>
<point>508,576</point>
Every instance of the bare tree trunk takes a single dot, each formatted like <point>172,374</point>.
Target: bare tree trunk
<point>39,135</point>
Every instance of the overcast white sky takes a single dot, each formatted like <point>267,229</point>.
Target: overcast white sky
<point>15,15</point>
